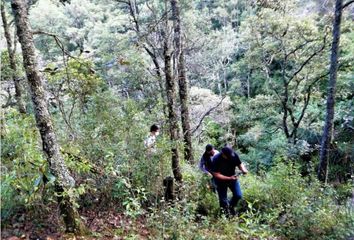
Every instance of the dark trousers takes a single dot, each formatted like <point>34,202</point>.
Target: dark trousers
<point>235,188</point>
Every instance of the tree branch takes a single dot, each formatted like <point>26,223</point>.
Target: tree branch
<point>299,47</point>
<point>206,114</point>
<point>62,48</point>
<point>347,4</point>
<point>57,40</point>
<point>308,59</point>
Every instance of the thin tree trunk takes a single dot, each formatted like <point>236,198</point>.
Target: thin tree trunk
<point>12,57</point>
<point>182,82</point>
<point>44,122</point>
<point>159,77</point>
<point>248,84</point>
<point>331,90</point>
<point>134,13</point>
<point>171,99</point>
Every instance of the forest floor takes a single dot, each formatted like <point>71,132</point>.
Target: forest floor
<point>104,225</point>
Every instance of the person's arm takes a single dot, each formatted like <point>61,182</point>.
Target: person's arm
<point>243,168</point>
<point>219,176</point>
<point>202,167</point>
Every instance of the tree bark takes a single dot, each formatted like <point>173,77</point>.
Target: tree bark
<point>171,99</point>
<point>43,119</point>
<point>331,90</point>
<point>169,189</point>
<point>182,82</point>
<point>12,59</point>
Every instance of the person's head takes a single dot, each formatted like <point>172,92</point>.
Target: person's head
<point>227,152</point>
<point>154,129</point>
<point>209,149</point>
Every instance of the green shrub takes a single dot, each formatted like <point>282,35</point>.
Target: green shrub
<point>9,197</point>
<point>208,203</point>
<point>295,209</point>
<point>130,198</point>
<point>21,156</point>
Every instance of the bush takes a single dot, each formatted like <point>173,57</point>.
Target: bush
<point>208,203</point>
<point>110,137</point>
<point>131,198</point>
<point>9,198</point>
<point>294,208</point>
<point>26,171</point>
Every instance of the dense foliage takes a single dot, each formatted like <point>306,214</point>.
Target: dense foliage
<point>259,62</point>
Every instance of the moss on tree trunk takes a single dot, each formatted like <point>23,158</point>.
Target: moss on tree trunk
<point>44,122</point>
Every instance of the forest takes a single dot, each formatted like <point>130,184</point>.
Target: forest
<point>112,112</point>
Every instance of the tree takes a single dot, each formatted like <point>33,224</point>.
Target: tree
<point>171,99</point>
<point>64,181</point>
<point>286,53</point>
<point>331,91</point>
<point>182,81</point>
<point>12,59</point>
<point>147,31</point>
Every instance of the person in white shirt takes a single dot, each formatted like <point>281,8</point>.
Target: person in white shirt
<point>150,141</point>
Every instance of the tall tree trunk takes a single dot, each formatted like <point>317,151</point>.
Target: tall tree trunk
<point>182,82</point>
<point>44,123</point>
<point>331,90</point>
<point>171,99</point>
<point>12,57</point>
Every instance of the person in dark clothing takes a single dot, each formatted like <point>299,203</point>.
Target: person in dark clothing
<point>205,163</point>
<point>206,159</point>
<point>223,169</point>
